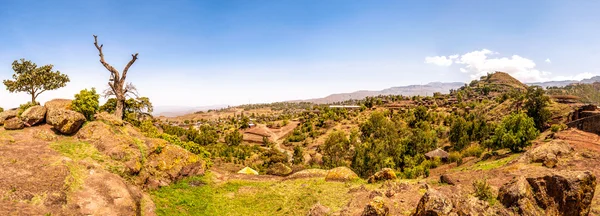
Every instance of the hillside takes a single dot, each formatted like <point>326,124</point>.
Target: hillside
<point>566,82</point>
<point>411,90</point>
<point>584,92</point>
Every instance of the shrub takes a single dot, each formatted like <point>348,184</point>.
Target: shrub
<point>558,127</point>
<point>148,129</point>
<point>473,150</point>
<point>1,109</point>
<point>86,103</point>
<point>234,138</point>
<point>454,157</point>
<point>483,191</point>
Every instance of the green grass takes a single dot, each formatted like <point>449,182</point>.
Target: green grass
<point>237,197</point>
<point>77,150</point>
<point>488,165</point>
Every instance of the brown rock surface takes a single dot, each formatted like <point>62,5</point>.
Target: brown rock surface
<point>13,124</point>
<point>34,115</point>
<point>65,121</point>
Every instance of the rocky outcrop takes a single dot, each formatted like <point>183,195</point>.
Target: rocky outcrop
<point>279,169</point>
<point>376,207</point>
<point>384,174</point>
<point>319,210</point>
<point>7,114</point>
<point>58,104</point>
<point>13,124</point>
<point>434,203</point>
<point>65,121</point>
<point>548,153</point>
<point>34,115</point>
<point>562,193</point>
<point>342,174</point>
<point>447,179</point>
<point>108,118</point>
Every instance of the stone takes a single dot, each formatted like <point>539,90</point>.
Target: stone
<point>58,104</point>
<point>7,114</point>
<point>561,193</point>
<point>34,115</point>
<point>447,179</point>
<point>279,169</point>
<point>376,207</point>
<point>434,203</point>
<point>555,147</point>
<point>65,121</point>
<point>319,210</point>
<point>13,124</point>
<point>341,174</point>
<point>383,175</point>
<point>550,161</point>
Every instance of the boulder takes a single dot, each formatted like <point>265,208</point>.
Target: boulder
<point>319,210</point>
<point>555,147</point>
<point>308,173</point>
<point>34,115</point>
<point>376,207</point>
<point>384,174</point>
<point>7,114</point>
<point>108,118</point>
<point>561,193</point>
<point>447,179</point>
<point>279,169</point>
<point>58,104</point>
<point>433,203</point>
<point>342,174</point>
<point>13,124</point>
<point>65,121</point>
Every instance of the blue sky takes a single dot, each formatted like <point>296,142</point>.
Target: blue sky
<point>194,53</point>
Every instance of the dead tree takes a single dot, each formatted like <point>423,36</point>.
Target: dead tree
<point>117,85</point>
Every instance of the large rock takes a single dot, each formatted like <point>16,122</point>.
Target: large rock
<point>447,179</point>
<point>13,124</point>
<point>7,114</point>
<point>549,151</point>
<point>58,104</point>
<point>376,207</point>
<point>562,193</point>
<point>34,115</point>
<point>434,203</point>
<point>342,174</point>
<point>65,121</point>
<point>279,169</point>
<point>384,174</point>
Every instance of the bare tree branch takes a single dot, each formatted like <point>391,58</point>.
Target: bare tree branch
<point>110,68</point>
<point>130,88</point>
<point>133,58</point>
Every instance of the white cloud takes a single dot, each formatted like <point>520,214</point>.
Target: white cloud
<point>440,60</point>
<point>480,62</point>
<point>577,77</point>
<point>548,60</point>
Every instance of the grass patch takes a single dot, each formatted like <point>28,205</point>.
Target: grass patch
<point>237,197</point>
<point>76,177</point>
<point>77,150</point>
<point>142,147</point>
<point>488,165</point>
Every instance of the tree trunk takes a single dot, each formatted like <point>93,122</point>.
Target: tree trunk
<point>119,108</point>
<point>33,98</point>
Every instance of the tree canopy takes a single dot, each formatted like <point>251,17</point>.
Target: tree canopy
<point>34,80</point>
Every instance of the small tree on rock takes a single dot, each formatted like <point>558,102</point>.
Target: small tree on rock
<point>87,103</point>
<point>34,80</point>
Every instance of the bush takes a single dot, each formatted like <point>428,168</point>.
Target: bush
<point>558,127</point>
<point>234,138</point>
<point>473,150</point>
<point>454,157</point>
<point>86,103</point>
<point>1,109</point>
<point>483,191</point>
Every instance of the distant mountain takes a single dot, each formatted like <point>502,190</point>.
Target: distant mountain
<point>410,90</point>
<point>172,111</point>
<point>566,82</point>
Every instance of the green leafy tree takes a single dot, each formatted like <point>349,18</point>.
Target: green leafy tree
<point>135,110</point>
<point>536,104</point>
<point>87,103</point>
<point>298,155</point>
<point>234,138</point>
<point>34,80</point>
<point>335,150</point>
<point>458,134</point>
<point>515,132</point>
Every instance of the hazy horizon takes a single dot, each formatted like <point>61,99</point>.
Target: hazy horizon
<point>211,53</point>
